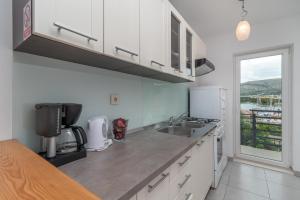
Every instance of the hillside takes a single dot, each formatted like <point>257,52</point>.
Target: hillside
<point>262,87</point>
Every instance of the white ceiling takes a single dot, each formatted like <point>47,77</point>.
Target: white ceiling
<point>209,17</point>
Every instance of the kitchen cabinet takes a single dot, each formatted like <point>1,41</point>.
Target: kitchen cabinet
<point>181,44</point>
<point>122,29</point>
<point>133,198</point>
<point>189,53</point>
<point>152,33</point>
<point>202,167</point>
<point>78,23</point>
<point>190,177</point>
<point>181,175</point>
<point>130,36</point>
<point>157,189</point>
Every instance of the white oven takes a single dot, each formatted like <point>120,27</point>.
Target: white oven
<point>220,160</point>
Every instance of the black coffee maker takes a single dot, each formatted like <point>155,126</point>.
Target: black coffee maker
<point>63,141</point>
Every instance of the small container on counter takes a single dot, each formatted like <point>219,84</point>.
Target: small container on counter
<point>120,129</point>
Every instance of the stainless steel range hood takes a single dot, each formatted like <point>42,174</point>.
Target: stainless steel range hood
<point>203,66</point>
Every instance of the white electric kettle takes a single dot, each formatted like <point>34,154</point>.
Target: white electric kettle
<point>97,135</point>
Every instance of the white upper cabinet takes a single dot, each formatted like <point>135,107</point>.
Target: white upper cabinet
<point>76,22</point>
<point>122,28</point>
<point>176,41</point>
<point>152,33</point>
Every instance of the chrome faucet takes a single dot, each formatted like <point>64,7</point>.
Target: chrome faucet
<point>180,118</point>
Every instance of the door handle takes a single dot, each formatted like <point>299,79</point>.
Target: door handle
<point>126,51</point>
<point>189,196</point>
<point>187,178</point>
<point>152,187</point>
<point>60,27</point>
<point>199,144</point>
<point>159,64</point>
<point>183,162</point>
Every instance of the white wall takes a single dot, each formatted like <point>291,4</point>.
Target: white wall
<point>28,79</point>
<point>221,49</point>
<point>5,71</point>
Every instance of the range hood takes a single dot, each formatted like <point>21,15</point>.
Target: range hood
<point>203,66</point>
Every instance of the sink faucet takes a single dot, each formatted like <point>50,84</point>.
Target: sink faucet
<point>180,118</point>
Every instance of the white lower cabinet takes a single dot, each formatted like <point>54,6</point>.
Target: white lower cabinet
<point>158,189</point>
<point>202,167</point>
<point>189,178</point>
<point>133,198</point>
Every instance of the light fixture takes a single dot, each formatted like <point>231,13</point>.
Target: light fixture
<point>243,28</point>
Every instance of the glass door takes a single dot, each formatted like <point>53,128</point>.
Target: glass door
<point>262,88</point>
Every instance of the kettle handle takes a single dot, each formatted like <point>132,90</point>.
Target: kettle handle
<point>80,136</point>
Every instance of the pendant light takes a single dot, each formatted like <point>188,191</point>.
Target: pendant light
<point>243,28</point>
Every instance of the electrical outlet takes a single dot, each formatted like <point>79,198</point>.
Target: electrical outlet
<point>114,99</point>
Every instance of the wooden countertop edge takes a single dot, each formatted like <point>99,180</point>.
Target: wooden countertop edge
<point>25,175</point>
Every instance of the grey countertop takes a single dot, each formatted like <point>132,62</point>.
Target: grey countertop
<point>124,169</point>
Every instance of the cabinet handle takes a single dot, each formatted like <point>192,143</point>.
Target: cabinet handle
<point>183,162</point>
<point>152,187</point>
<point>189,196</point>
<point>59,26</point>
<point>199,144</point>
<point>154,62</point>
<point>126,51</point>
<point>187,178</point>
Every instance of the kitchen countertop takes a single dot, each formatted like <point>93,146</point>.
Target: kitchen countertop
<point>25,175</point>
<point>124,169</point>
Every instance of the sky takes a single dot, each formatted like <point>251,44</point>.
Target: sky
<point>261,68</point>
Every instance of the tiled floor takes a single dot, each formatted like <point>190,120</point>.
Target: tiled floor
<point>261,153</point>
<point>245,182</point>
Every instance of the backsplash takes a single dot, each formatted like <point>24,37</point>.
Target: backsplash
<point>39,80</point>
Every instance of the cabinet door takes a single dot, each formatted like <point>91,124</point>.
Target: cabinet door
<point>176,37</point>
<point>133,198</point>
<point>190,63</point>
<point>203,167</point>
<point>158,189</point>
<point>76,22</point>
<point>152,22</point>
<point>121,29</point>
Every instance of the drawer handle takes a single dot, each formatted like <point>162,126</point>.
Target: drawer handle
<point>189,196</point>
<point>60,27</point>
<point>126,51</point>
<point>187,178</point>
<point>183,162</point>
<point>152,187</point>
<point>159,64</point>
<point>199,144</point>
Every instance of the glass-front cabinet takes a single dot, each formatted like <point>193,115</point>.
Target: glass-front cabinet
<point>189,52</point>
<point>175,42</point>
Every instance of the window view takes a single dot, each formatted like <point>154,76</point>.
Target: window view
<point>261,107</point>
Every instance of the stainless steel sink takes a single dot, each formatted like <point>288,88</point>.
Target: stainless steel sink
<point>186,128</point>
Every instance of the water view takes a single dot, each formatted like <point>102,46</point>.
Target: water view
<point>261,107</point>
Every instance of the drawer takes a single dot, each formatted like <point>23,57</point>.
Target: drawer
<point>157,189</point>
<point>181,174</point>
<point>181,164</point>
<point>186,192</point>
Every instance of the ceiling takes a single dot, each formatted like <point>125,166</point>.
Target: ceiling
<point>209,17</point>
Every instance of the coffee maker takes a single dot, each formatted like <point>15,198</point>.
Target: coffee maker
<point>63,142</point>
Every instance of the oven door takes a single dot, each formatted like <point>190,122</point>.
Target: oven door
<point>219,157</point>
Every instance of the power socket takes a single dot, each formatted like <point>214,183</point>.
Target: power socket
<point>114,99</point>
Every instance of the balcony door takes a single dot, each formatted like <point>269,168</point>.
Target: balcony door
<point>262,107</point>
